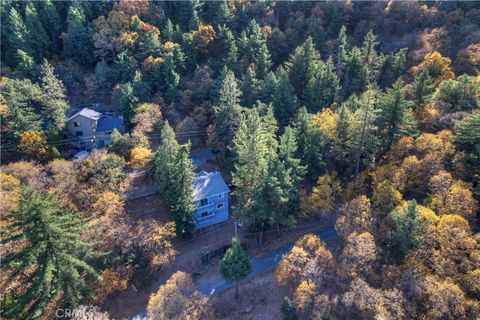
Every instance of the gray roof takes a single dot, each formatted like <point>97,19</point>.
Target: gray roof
<point>88,113</point>
<point>208,184</point>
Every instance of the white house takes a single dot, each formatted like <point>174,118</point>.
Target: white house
<point>93,129</point>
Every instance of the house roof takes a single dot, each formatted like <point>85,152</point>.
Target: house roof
<point>88,113</point>
<point>108,123</point>
<point>208,184</point>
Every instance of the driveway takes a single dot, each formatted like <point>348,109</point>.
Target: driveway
<point>214,284</point>
<point>217,284</point>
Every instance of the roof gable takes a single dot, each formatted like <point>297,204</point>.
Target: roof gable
<point>87,113</point>
<point>208,184</point>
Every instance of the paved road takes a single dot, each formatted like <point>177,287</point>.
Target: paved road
<point>211,285</point>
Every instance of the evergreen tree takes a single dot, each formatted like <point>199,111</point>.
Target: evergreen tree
<point>194,21</point>
<point>268,87</point>
<point>468,136</point>
<point>356,73</point>
<point>223,15</point>
<point>227,109</point>
<point>310,143</point>
<point>393,114</point>
<point>18,36</point>
<point>129,101</point>
<point>24,99</point>
<point>163,161</point>
<point>183,176</point>
<point>52,253</point>
<point>38,39</point>
<point>250,148</point>
<point>77,42</point>
<point>369,53</point>
<point>263,61</point>
<point>235,265</point>
<point>288,310</point>
<point>284,99</point>
<point>168,31</point>
<point>342,54</point>
<point>322,88</point>
<point>51,21</point>
<point>302,66</point>
<point>228,47</point>
<point>285,172</point>
<point>422,89</point>
<point>250,86</point>
<point>141,89</point>
<point>54,97</point>
<point>26,65</point>
<point>408,231</point>
<point>362,131</point>
<point>171,79</point>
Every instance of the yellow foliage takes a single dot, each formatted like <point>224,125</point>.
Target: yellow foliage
<point>304,295</point>
<point>386,197</point>
<point>113,280</point>
<point>459,201</point>
<point>170,46</point>
<point>427,214</point>
<point>108,204</point>
<point>204,38</point>
<point>128,38</point>
<point>34,143</point>
<point>327,122</point>
<point>140,156</point>
<point>323,196</point>
<point>10,192</point>
<point>438,66</point>
<point>3,106</point>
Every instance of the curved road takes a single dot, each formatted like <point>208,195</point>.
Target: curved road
<point>217,284</point>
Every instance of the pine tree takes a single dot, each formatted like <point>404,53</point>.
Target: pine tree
<point>38,38</point>
<point>163,161</point>
<point>227,108</point>
<point>168,31</point>
<point>408,230</point>
<point>26,65</point>
<point>263,61</point>
<point>422,89</point>
<point>369,53</point>
<point>393,114</point>
<point>129,101</point>
<point>302,66</point>
<point>171,79</point>
<point>18,36</point>
<point>267,87</point>
<point>322,88</point>
<point>356,73</point>
<point>285,102</point>
<point>223,15</point>
<point>235,265</point>
<point>228,47</point>
<point>183,176</point>
<point>250,149</point>
<point>362,131</point>
<point>250,86</point>
<point>468,136</point>
<point>77,42</point>
<point>310,143</point>
<point>51,21</point>
<point>288,310</point>
<point>54,97</point>
<point>194,21</point>
<point>23,98</point>
<point>342,54</point>
<point>279,196</point>
<point>53,255</point>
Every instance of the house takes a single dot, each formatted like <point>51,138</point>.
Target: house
<point>91,128</point>
<point>211,196</point>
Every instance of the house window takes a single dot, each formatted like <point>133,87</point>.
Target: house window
<point>206,214</point>
<point>76,124</point>
<point>79,133</point>
<point>220,196</point>
<point>203,202</point>
<point>220,205</point>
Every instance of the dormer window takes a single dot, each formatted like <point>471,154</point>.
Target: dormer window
<point>76,124</point>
